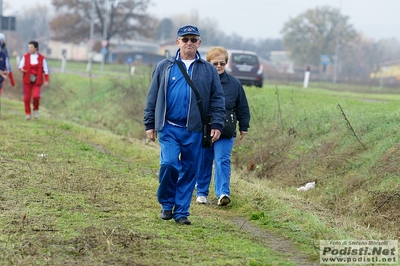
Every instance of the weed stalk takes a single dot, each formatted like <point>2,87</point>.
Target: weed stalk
<point>351,128</point>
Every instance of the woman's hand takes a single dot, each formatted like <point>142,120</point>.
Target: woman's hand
<point>242,134</point>
<point>215,134</point>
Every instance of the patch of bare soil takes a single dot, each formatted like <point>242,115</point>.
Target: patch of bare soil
<point>276,243</point>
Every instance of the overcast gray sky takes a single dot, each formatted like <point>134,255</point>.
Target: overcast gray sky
<point>265,18</point>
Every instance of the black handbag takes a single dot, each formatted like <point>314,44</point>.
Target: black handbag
<point>229,129</point>
<point>205,118</point>
<point>207,141</point>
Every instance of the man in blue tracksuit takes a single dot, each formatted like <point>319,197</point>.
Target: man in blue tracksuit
<point>172,113</point>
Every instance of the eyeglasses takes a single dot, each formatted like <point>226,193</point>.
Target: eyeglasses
<point>186,39</point>
<point>220,63</point>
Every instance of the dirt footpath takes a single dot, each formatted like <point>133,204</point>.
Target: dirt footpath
<point>276,243</point>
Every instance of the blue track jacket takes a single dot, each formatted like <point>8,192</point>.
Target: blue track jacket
<point>206,80</point>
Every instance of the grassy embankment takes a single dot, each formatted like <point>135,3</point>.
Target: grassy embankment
<point>91,199</point>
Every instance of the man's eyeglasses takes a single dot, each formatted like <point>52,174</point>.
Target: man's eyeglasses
<point>186,39</point>
<point>220,63</point>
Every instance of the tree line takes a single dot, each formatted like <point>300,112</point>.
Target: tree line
<point>315,32</point>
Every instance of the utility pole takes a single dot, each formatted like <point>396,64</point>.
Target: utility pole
<point>91,40</point>
<point>336,66</point>
<point>1,15</point>
<point>105,32</point>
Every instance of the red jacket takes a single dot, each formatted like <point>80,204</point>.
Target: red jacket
<point>27,67</point>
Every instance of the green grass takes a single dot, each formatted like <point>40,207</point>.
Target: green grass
<point>112,70</point>
<point>92,198</point>
<point>71,194</point>
<point>350,151</point>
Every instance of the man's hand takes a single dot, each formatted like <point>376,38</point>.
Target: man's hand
<point>215,134</point>
<point>46,83</point>
<point>151,134</point>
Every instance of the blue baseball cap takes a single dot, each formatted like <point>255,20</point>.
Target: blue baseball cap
<point>188,29</point>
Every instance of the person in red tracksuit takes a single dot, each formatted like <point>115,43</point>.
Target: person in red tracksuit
<point>35,71</point>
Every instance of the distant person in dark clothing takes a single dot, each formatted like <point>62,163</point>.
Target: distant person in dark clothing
<point>5,66</point>
<point>220,152</point>
<point>3,43</point>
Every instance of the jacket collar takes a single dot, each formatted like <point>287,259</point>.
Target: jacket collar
<point>223,77</point>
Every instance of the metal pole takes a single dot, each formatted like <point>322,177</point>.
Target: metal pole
<point>105,31</point>
<point>335,67</point>
<point>90,54</point>
<point>92,21</point>
<point>1,15</point>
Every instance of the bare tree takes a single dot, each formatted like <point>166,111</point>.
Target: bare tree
<point>165,30</point>
<point>316,32</point>
<point>124,19</point>
<point>32,24</point>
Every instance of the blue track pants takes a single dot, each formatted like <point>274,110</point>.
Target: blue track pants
<point>220,154</point>
<point>179,163</point>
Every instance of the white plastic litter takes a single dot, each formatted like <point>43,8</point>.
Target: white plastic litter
<point>42,155</point>
<point>308,186</point>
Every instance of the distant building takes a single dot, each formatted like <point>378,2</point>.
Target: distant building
<point>281,61</point>
<point>138,51</point>
<point>389,69</point>
<point>124,51</point>
<point>58,50</point>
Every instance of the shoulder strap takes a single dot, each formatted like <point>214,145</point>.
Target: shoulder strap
<point>191,84</point>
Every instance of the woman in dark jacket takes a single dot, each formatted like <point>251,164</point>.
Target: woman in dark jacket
<point>236,107</point>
